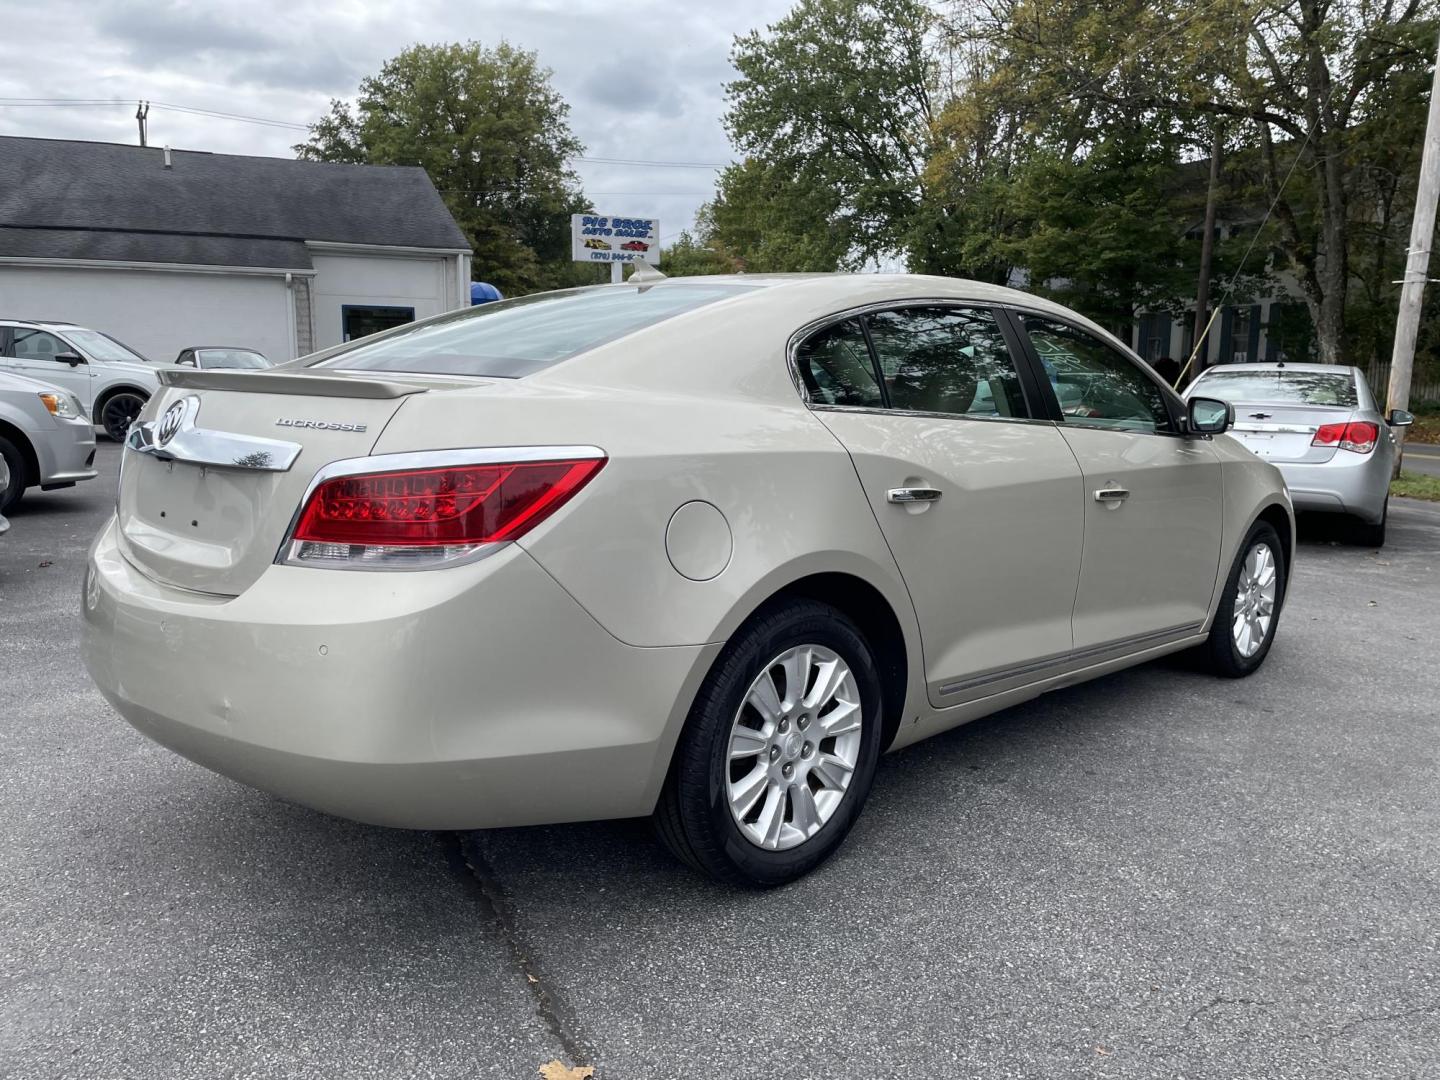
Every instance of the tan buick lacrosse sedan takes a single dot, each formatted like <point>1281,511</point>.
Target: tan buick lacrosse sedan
<point>699,548</point>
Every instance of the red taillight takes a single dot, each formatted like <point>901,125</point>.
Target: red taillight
<point>1357,435</point>
<point>440,507</point>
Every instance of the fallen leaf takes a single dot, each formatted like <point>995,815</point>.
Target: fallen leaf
<point>532,978</point>
<point>1103,1052</point>
<point>44,563</point>
<point>555,1070</point>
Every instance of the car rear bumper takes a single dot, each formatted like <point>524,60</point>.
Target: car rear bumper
<point>1348,483</point>
<point>470,697</point>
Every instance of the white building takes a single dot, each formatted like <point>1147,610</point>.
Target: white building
<point>170,249</point>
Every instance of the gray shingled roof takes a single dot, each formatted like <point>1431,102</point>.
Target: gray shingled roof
<point>84,200</point>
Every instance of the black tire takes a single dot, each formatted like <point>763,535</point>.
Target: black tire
<point>19,475</point>
<point>693,818</point>
<point>116,411</point>
<point>1368,533</point>
<point>1224,656</point>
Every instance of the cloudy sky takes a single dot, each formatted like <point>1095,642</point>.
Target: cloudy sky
<point>644,78</point>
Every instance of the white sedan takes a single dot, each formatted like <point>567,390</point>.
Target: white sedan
<point>698,548</point>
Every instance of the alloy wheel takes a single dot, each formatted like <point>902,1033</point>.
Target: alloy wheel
<point>793,748</point>
<point>1254,606</point>
<point>119,413</point>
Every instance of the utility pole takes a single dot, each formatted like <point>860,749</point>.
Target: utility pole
<point>1200,349</point>
<point>142,114</point>
<point>1417,264</point>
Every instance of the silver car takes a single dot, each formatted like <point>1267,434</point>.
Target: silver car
<point>1324,430</point>
<point>46,439</point>
<point>111,381</point>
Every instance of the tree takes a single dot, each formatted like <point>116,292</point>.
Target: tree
<point>492,133</point>
<point>688,257</point>
<point>1300,76</point>
<point>832,111</point>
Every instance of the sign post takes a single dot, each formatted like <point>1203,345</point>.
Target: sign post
<point>607,238</point>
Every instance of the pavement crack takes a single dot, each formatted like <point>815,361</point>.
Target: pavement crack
<point>1350,1025</point>
<point>467,861</point>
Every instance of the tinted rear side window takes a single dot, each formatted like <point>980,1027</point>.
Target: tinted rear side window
<point>1281,386</point>
<point>513,338</point>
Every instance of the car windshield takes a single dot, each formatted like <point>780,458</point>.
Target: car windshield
<point>231,358</point>
<point>513,338</point>
<point>102,346</point>
<point>1281,387</point>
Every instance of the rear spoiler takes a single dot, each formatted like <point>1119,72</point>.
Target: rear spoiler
<point>284,382</point>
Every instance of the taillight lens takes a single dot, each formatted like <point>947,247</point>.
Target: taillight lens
<point>427,516</point>
<point>1357,435</point>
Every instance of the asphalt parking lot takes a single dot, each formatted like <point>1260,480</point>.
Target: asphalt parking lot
<point>1156,875</point>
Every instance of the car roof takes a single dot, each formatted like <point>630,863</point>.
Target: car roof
<point>44,324</point>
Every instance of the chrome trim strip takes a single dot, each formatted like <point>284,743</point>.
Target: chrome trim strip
<point>208,447</point>
<point>1288,429</point>
<point>1155,637</point>
<point>427,459</point>
<point>874,411</point>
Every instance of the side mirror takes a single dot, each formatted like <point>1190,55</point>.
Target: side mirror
<point>1400,418</point>
<point>1210,416</point>
<point>189,361</point>
<point>74,359</point>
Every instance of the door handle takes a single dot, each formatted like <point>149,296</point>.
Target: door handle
<point>1111,495</point>
<point>913,495</point>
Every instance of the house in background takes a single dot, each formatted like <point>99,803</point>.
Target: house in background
<point>166,249</point>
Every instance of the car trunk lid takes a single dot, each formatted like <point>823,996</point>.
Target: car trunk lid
<point>210,485</point>
<point>1284,433</point>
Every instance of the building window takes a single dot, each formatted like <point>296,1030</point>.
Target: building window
<point>1240,337</point>
<point>359,320</point>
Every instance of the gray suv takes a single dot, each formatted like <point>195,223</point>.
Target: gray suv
<point>111,381</point>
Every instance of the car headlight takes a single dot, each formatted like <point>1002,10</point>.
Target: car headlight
<point>65,406</point>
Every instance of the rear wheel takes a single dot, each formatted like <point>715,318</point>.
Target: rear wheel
<point>15,465</point>
<point>1370,533</point>
<point>1249,611</point>
<point>118,411</point>
<point>779,750</point>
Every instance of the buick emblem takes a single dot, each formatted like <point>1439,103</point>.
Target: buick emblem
<point>170,423</point>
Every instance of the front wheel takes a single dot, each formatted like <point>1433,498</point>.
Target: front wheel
<point>118,412</point>
<point>1249,611</point>
<point>15,466</point>
<point>779,750</point>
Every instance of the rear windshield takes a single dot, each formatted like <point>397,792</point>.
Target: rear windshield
<point>517,337</point>
<point>1280,387</point>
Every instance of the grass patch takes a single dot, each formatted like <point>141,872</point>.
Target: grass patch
<point>1416,486</point>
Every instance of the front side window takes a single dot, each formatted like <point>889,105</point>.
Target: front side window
<point>1097,385</point>
<point>36,345</point>
<point>835,367</point>
<point>945,359</point>
<point>230,358</point>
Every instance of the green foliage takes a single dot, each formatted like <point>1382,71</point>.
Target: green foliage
<point>832,113</point>
<point>492,133</point>
<point>688,257</point>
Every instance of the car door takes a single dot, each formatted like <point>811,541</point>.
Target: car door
<point>1152,496</point>
<point>979,501</point>
<point>34,354</point>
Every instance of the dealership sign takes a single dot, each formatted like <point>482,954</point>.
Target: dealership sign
<point>597,238</point>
